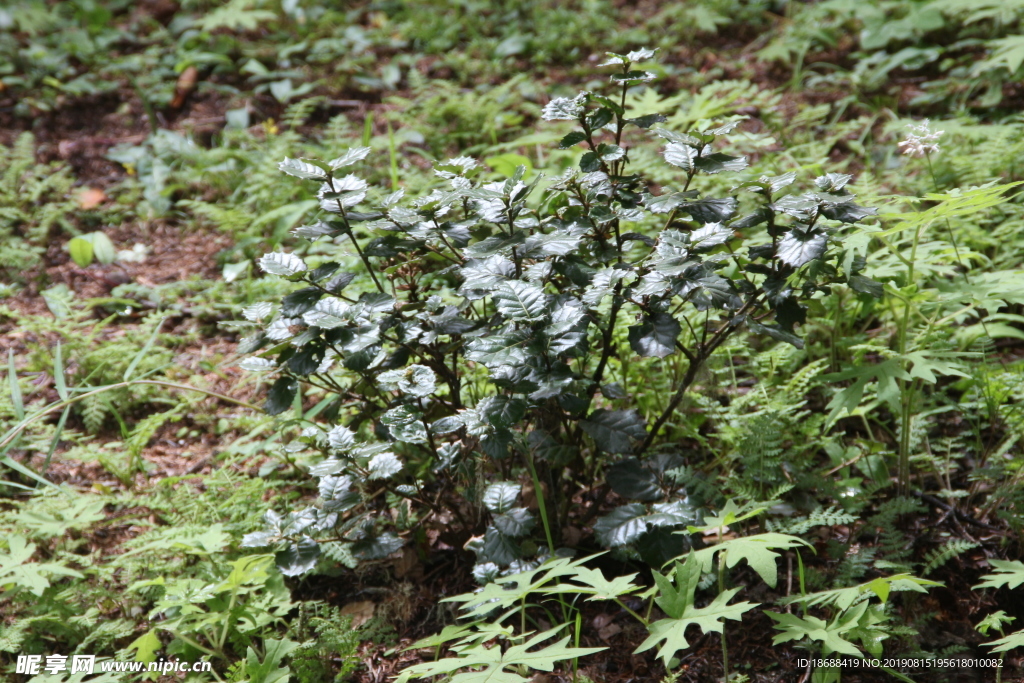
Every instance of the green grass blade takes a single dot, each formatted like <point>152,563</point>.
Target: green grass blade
<point>143,351</point>
<point>12,380</point>
<point>58,374</point>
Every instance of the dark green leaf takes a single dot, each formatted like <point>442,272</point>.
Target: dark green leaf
<point>573,138</point>
<point>656,336</point>
<point>865,285</point>
<point>503,411</point>
<point>300,301</point>
<point>614,430</point>
<point>622,526</point>
<point>633,481</point>
<point>298,558</point>
<point>647,121</point>
<point>281,395</point>
<point>775,332</point>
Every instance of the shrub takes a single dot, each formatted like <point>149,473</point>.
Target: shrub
<point>473,335</point>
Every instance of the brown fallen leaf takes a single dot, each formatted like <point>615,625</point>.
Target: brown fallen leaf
<point>186,84</point>
<point>609,632</point>
<point>90,198</point>
<point>361,612</point>
<point>408,564</point>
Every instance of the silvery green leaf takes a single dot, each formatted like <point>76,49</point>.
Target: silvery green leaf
<point>405,424</point>
<point>392,199</point>
<point>778,182</point>
<point>496,350</point>
<point>327,467</point>
<point>259,539</point>
<point>666,202</point>
<point>564,108</point>
<point>497,547</point>
<point>846,212</point>
<point>516,523</point>
<point>551,244</point>
<point>485,572</point>
<point>680,155</point>
<point>797,248</point>
<point>641,55</point>
<point>652,284</point>
<point>258,312</point>
<point>302,169</point>
<point>671,514</point>
<point>633,77</point>
<point>255,364</point>
<point>566,316</point>
<point>800,207</point>
<point>716,163</point>
<point>299,557</point>
<point>341,437</point>
<point>611,152</point>
<point>281,329</point>
<point>377,547</point>
<point>615,430</point>
<point>713,291</point>
<point>602,285</point>
<point>622,526</point>
<point>832,182</point>
<point>725,128</point>
<point>350,157</point>
<point>501,497</point>
<point>680,138</point>
<point>446,425</point>
<point>502,411</point>
<point>337,493</point>
<point>495,244</point>
<point>710,235</point>
<point>446,455</point>
<point>711,210</point>
<point>415,380</point>
<point>384,465</point>
<point>316,230</point>
<point>280,263</point>
<point>518,300</point>
<point>486,273</point>
<point>656,336</point>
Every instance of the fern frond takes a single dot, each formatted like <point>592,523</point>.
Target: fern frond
<point>943,554</point>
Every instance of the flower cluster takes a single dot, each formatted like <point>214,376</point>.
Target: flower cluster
<point>921,141</point>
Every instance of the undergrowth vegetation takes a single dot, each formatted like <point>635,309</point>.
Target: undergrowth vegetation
<point>478,342</point>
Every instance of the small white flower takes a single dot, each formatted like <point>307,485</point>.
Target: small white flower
<point>921,141</point>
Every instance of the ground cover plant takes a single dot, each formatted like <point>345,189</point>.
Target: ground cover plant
<point>477,341</point>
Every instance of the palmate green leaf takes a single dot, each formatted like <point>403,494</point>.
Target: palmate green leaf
<point>757,550</point>
<point>492,662</point>
<point>1007,643</point>
<point>600,588</point>
<point>676,598</point>
<point>847,400</point>
<point>508,591</point>
<point>1009,573</point>
<point>842,598</point>
<point>830,635</point>
<point>730,513</point>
